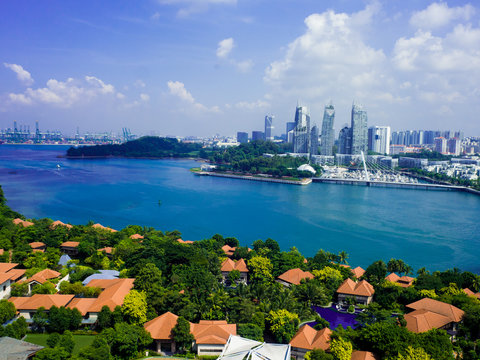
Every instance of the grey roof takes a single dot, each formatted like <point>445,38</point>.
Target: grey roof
<point>13,349</point>
<point>104,275</point>
<point>64,259</point>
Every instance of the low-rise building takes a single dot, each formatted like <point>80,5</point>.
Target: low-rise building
<point>403,281</point>
<point>294,277</point>
<point>13,349</point>
<point>42,277</point>
<point>230,265</point>
<point>307,339</point>
<point>27,306</point>
<point>471,293</point>
<point>59,223</point>
<point>211,336</point>
<point>23,223</point>
<point>361,291</point>
<point>70,247</point>
<point>358,272</point>
<point>38,246</point>
<point>160,330</point>
<point>8,276</point>
<point>362,355</point>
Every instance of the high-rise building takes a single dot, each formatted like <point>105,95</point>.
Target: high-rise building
<point>453,145</point>
<point>257,135</point>
<point>268,128</point>
<point>379,139</point>
<point>314,140</point>
<point>301,134</point>
<point>359,130</point>
<point>290,130</point>
<point>328,135</point>
<point>345,141</point>
<point>441,145</point>
<point>459,135</point>
<point>242,137</point>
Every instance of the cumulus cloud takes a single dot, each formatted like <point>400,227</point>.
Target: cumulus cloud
<point>64,93</point>
<point>225,47</point>
<point>259,104</point>
<point>144,97</point>
<point>188,7</point>
<point>178,89</point>
<point>244,66</point>
<point>22,74</point>
<point>437,15</point>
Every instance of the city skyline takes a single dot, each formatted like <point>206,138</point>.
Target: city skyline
<point>205,67</point>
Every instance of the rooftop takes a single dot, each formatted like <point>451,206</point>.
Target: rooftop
<point>294,276</point>
<point>361,288</point>
<point>72,244</point>
<point>100,226</point>
<point>24,223</point>
<point>450,311</point>
<point>358,272</point>
<point>161,327</point>
<point>17,349</point>
<point>40,300</point>
<point>59,223</point>
<point>309,338</point>
<point>230,265</point>
<point>213,331</point>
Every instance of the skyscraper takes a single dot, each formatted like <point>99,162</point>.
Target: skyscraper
<point>301,135</point>
<point>314,140</point>
<point>328,136</point>
<point>379,139</point>
<point>268,128</point>
<point>257,135</point>
<point>290,130</point>
<point>242,137</point>
<point>345,141</point>
<point>441,145</point>
<point>359,130</point>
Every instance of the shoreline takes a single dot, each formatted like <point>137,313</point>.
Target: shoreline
<point>305,181</point>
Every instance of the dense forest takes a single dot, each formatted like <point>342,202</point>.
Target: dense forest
<point>185,279</point>
<point>148,146</point>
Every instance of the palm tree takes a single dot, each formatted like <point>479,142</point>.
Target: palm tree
<point>342,257</point>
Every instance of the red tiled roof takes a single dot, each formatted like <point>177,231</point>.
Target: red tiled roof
<point>42,276</point>
<point>450,311</point>
<point>358,272</point>
<point>213,331</point>
<point>37,244</point>
<point>294,276</point>
<point>40,300</point>
<point>185,241</point>
<point>309,338</point>
<point>404,281</point>
<point>107,250</point>
<point>230,265</point>
<point>361,288</point>
<point>471,293</point>
<point>59,223</point>
<point>161,327</point>
<point>24,223</point>
<point>100,226</point>
<point>114,291</point>
<point>72,244</point>
<point>16,274</point>
<point>423,320</point>
<point>136,237</point>
<point>2,251</point>
<point>392,277</point>
<point>362,355</point>
<point>82,304</point>
<point>228,250</point>
<point>4,267</point>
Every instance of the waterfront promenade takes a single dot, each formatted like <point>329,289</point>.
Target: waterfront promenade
<point>254,178</point>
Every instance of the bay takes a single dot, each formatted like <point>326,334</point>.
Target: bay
<point>435,229</point>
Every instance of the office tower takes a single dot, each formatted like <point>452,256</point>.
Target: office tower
<point>441,145</point>
<point>268,128</point>
<point>459,135</point>
<point>429,137</point>
<point>301,133</point>
<point>345,141</point>
<point>242,137</point>
<point>359,130</point>
<point>379,139</point>
<point>314,140</point>
<point>421,137</point>
<point>328,135</point>
<point>257,135</point>
<point>290,130</point>
<point>453,145</point>
<point>446,134</point>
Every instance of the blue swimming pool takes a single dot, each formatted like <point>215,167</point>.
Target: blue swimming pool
<point>335,318</point>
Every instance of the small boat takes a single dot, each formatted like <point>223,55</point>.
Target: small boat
<point>58,166</point>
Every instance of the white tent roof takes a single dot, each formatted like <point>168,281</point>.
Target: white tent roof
<point>238,348</point>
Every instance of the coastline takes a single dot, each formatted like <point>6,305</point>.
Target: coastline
<point>305,181</point>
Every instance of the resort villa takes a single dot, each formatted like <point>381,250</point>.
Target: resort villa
<point>38,246</point>
<point>230,265</point>
<point>361,291</point>
<point>70,247</point>
<point>403,281</point>
<point>294,277</point>
<point>307,339</point>
<point>8,276</point>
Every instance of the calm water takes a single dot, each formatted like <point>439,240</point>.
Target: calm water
<point>437,229</point>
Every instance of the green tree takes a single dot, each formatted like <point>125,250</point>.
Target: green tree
<point>57,353</point>
<point>260,269</point>
<point>283,324</point>
<point>66,341</point>
<point>341,349</point>
<point>182,335</point>
<point>126,340</point>
<point>376,272</point>
<point>40,320</point>
<point>98,350</point>
<point>318,354</point>
<point>7,311</point>
<point>250,331</point>
<point>53,340</point>
<point>134,307</point>
<point>148,275</point>
<point>105,318</point>
<point>413,354</point>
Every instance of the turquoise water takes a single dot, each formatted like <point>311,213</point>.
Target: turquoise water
<point>439,230</point>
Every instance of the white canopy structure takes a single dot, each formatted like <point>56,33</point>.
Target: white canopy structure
<point>306,167</point>
<point>238,348</point>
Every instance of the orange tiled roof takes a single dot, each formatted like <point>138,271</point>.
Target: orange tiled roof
<point>450,311</point>
<point>358,272</point>
<point>423,320</point>
<point>16,274</point>
<point>44,275</point>
<point>106,250</point>
<point>294,276</point>
<point>4,277</point>
<point>100,226</point>
<point>40,300</point>
<point>309,338</point>
<point>2,251</point>
<point>59,223</point>
<point>72,244</point>
<point>136,237</point>
<point>361,288</point>
<point>82,304</point>
<point>185,241</point>
<point>114,291</point>
<point>4,267</point>
<point>212,331</point>
<point>228,250</point>
<point>471,293</point>
<point>230,265</point>
<point>24,223</point>
<point>362,355</point>
<point>36,244</point>
<point>161,327</point>
<point>404,281</point>
<point>392,277</point>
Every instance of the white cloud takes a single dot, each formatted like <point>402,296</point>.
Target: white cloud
<point>22,74</point>
<point>144,97</point>
<point>155,16</point>
<point>437,15</point>
<point>139,84</point>
<point>244,66</point>
<point>65,93</point>
<point>225,47</point>
<point>120,96</point>
<point>188,7</point>
<point>178,89</point>
<point>259,104</point>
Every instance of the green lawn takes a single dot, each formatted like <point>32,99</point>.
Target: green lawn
<point>80,340</point>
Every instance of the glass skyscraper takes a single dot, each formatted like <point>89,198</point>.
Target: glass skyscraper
<point>328,136</point>
<point>379,139</point>
<point>359,130</point>
<point>268,128</point>
<point>301,135</point>
<point>314,140</point>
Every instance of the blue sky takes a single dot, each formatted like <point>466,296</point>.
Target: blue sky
<point>201,67</point>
